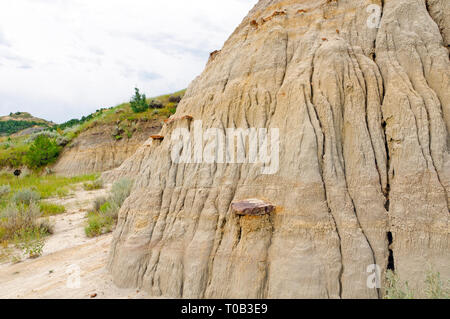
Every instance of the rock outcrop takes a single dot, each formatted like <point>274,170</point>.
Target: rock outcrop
<point>363,113</point>
<point>96,150</point>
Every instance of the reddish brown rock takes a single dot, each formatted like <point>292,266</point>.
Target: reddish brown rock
<point>157,137</point>
<point>252,207</point>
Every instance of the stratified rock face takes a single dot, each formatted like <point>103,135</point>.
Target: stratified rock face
<point>363,115</point>
<point>96,150</point>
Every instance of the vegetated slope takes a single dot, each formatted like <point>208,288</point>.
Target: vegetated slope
<point>22,121</point>
<point>97,149</point>
<point>106,141</point>
<point>121,131</point>
<point>364,178</point>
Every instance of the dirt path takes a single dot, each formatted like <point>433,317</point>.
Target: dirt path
<point>72,265</point>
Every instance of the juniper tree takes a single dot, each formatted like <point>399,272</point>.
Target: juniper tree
<point>139,102</point>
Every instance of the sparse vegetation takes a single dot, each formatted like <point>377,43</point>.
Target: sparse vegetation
<point>435,287</point>
<point>395,289</point>
<point>31,241</point>
<point>23,215</point>
<point>98,224</point>
<point>47,186</point>
<point>120,192</point>
<point>21,224</point>
<point>25,196</point>
<point>98,202</point>
<point>106,210</point>
<point>97,184</point>
<point>50,209</point>
<point>13,152</point>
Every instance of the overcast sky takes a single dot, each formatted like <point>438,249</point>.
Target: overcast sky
<point>62,59</point>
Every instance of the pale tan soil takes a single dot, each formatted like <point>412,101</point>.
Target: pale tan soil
<point>68,248</point>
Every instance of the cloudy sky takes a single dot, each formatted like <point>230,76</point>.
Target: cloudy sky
<point>62,59</point>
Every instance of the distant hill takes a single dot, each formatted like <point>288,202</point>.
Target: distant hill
<point>19,121</point>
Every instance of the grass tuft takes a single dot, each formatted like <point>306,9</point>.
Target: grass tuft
<point>89,186</point>
<point>106,210</point>
<point>50,209</point>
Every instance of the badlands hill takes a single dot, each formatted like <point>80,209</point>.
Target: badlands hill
<point>22,123</point>
<point>24,116</point>
<point>98,142</point>
<point>363,113</point>
<point>109,139</point>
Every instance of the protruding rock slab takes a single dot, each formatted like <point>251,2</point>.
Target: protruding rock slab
<point>252,207</point>
<point>157,137</point>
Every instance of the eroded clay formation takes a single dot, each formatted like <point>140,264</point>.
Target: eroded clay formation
<point>364,120</point>
<point>97,150</point>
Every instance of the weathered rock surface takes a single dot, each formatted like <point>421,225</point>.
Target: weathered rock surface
<point>96,150</point>
<point>364,119</point>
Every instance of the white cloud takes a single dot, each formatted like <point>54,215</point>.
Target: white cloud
<point>61,59</point>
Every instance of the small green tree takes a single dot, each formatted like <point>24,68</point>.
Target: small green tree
<point>43,151</point>
<point>139,102</point>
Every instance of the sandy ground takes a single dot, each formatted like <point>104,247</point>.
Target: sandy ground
<point>72,265</point>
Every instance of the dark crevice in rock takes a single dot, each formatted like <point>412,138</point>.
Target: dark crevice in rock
<point>239,234</point>
<point>387,191</point>
<point>388,201</point>
<point>391,261</point>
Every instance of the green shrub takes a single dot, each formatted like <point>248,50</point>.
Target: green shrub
<point>42,152</point>
<point>98,224</point>
<point>5,190</point>
<point>104,208</point>
<point>98,202</point>
<point>395,289</point>
<point>139,102</point>
<point>30,241</point>
<point>15,218</point>
<point>62,141</point>
<point>435,288</point>
<point>97,184</point>
<point>26,196</point>
<point>50,134</point>
<point>106,211</point>
<point>121,190</point>
<point>119,193</point>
